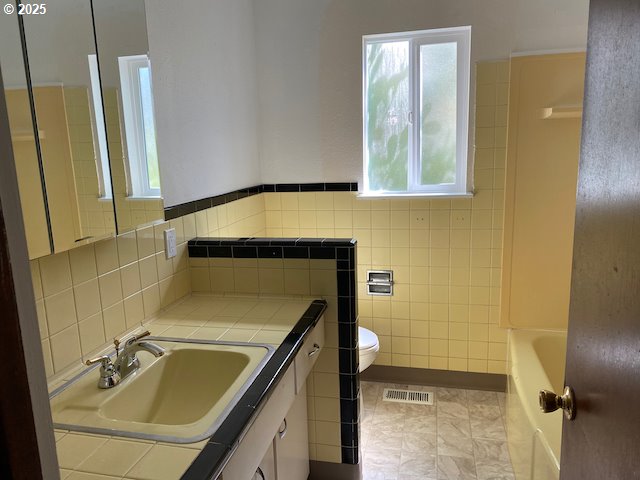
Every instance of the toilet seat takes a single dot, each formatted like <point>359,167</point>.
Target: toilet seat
<point>368,347</point>
<point>367,339</point>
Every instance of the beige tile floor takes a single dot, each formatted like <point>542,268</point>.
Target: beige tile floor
<point>462,436</point>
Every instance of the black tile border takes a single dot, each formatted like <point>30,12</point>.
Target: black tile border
<point>218,450</point>
<point>344,251</point>
<point>204,203</point>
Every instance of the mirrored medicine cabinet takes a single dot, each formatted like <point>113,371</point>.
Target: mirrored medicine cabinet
<point>78,85</point>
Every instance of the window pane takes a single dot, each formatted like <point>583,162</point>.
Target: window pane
<point>149,127</point>
<point>387,115</point>
<point>438,86</point>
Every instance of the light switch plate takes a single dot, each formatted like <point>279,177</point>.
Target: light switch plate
<point>170,248</point>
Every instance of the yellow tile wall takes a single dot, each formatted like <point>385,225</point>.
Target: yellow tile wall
<point>87,296</point>
<point>445,253</point>
<point>300,278</point>
<point>241,218</point>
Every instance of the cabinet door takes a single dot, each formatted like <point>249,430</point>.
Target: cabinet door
<point>292,442</point>
<point>267,468</point>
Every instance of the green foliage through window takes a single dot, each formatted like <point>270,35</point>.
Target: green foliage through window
<point>411,106</point>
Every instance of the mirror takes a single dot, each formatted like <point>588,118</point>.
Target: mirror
<point>61,50</point>
<point>92,170</point>
<point>125,73</point>
<point>28,167</point>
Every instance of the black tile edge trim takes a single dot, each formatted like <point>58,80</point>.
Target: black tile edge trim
<point>202,204</point>
<point>217,452</point>
<point>320,248</point>
<point>348,355</point>
<point>350,455</point>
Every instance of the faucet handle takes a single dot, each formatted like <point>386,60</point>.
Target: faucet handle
<point>109,375</point>
<point>104,360</point>
<point>135,338</point>
<point>131,340</point>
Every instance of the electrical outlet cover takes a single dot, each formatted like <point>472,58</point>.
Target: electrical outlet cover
<point>170,247</point>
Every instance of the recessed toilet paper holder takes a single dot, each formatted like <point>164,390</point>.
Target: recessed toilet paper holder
<point>380,282</point>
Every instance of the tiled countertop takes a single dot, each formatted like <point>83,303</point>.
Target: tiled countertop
<point>233,318</point>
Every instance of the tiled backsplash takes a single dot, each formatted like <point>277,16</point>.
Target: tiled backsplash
<point>87,296</point>
<point>91,294</point>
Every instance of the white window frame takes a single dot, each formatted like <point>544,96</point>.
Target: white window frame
<point>462,37</point>
<point>100,148</point>
<point>134,126</point>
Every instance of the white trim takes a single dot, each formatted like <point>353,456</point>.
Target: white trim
<point>547,52</point>
<point>134,125</point>
<point>422,196</point>
<point>462,37</point>
<point>385,37</point>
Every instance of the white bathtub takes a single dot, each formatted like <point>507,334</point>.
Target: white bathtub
<point>536,362</point>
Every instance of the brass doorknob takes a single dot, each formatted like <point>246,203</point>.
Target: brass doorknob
<point>550,402</point>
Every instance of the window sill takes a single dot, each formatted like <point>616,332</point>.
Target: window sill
<point>139,198</point>
<point>422,196</point>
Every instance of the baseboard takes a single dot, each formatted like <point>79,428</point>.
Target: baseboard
<point>437,378</point>
<point>334,471</point>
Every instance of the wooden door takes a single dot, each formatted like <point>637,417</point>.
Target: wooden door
<point>603,351</point>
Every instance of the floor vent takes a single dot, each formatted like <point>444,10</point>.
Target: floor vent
<point>407,396</point>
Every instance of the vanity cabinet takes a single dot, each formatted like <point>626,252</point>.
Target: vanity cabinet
<point>276,446</point>
<point>292,441</point>
<point>267,468</point>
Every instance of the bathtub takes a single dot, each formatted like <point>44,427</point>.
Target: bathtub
<point>536,361</point>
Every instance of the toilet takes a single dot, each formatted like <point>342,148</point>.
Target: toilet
<point>368,346</point>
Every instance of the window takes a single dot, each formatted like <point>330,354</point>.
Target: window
<point>415,111</point>
<point>139,126</point>
<point>100,134</point>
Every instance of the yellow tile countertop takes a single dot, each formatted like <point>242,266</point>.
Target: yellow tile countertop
<point>252,319</point>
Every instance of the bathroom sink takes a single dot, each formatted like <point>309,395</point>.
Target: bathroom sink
<point>180,397</point>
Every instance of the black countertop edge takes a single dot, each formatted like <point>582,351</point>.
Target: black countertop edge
<point>272,242</point>
<point>217,452</point>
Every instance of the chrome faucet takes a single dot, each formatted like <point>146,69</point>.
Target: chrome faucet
<point>126,362</point>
